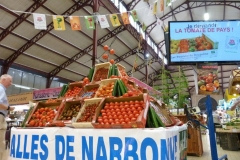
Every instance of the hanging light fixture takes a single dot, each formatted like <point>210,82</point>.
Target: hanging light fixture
<point>206,16</point>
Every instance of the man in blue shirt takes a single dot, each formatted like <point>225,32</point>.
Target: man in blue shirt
<point>5,82</point>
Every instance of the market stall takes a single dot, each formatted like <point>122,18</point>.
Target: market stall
<point>105,116</point>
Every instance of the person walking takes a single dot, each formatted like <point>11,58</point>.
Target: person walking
<point>5,82</point>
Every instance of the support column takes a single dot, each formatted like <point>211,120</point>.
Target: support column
<point>145,56</point>
<point>95,10</point>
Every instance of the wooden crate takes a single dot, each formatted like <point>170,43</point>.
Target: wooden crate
<point>75,84</point>
<point>86,94</point>
<point>140,121</point>
<point>42,105</point>
<point>121,70</point>
<point>87,102</point>
<point>195,146</point>
<point>162,113</point>
<point>98,66</point>
<point>64,107</point>
<point>104,83</point>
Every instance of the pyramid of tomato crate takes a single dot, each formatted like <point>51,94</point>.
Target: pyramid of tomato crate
<point>104,99</point>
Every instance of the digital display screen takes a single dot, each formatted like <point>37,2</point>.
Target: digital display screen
<point>204,41</point>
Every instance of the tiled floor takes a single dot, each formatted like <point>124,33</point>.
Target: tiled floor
<point>232,155</point>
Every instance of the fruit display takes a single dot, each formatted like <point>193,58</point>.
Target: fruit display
<point>75,91</point>
<point>105,90</point>
<point>41,117</point>
<point>69,110</point>
<point>122,70</point>
<point>190,45</point>
<point>126,112</point>
<point>208,81</point>
<point>88,113</point>
<point>41,114</point>
<point>101,71</point>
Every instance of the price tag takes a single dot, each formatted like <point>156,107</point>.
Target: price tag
<point>87,94</point>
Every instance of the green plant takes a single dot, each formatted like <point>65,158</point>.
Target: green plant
<point>173,85</point>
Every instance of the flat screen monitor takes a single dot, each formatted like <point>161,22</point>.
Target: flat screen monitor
<point>192,42</point>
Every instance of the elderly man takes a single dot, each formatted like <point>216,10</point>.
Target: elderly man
<point>5,82</point>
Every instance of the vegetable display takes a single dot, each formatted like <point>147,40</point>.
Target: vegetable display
<point>88,113</point>
<point>101,73</point>
<point>69,112</point>
<point>120,112</point>
<point>73,92</point>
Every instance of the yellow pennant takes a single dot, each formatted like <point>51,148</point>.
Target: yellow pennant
<point>155,8</point>
<point>114,20</point>
<point>58,23</point>
<point>125,18</point>
<point>75,23</point>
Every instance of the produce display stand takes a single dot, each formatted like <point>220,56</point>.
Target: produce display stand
<point>105,113</point>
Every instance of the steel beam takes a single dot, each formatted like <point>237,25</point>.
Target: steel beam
<point>130,53</point>
<point>21,18</point>
<point>113,9</point>
<point>132,4</point>
<point>190,12</point>
<point>196,4</point>
<point>40,60</point>
<point>54,72</point>
<point>37,37</point>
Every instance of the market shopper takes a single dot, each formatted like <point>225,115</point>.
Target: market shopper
<point>5,82</point>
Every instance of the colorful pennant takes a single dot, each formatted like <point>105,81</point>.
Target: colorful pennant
<point>102,19</point>
<point>155,8</point>
<point>134,15</point>
<point>58,23</point>
<point>144,27</point>
<point>125,18</point>
<point>39,21</point>
<point>89,22</point>
<point>75,23</point>
<point>114,20</point>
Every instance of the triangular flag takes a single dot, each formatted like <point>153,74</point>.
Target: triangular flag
<point>89,22</point>
<point>144,27</point>
<point>155,8</point>
<point>102,19</point>
<point>39,21</point>
<point>75,23</point>
<point>125,18</point>
<point>58,23</point>
<point>114,20</point>
<point>134,15</point>
<point>161,5</point>
<point>168,3</point>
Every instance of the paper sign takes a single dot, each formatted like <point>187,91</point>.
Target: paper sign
<point>89,22</point>
<point>75,23</point>
<point>125,18</point>
<point>58,23</point>
<point>114,20</point>
<point>39,21</point>
<point>102,19</point>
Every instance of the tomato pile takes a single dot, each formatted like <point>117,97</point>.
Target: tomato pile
<point>41,116</point>
<point>101,73</point>
<point>105,90</point>
<point>73,92</point>
<point>88,113</point>
<point>122,71</point>
<point>120,112</point>
<point>70,112</point>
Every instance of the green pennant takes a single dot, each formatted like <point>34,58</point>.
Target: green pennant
<point>89,20</point>
<point>168,2</point>
<point>144,27</point>
<point>134,15</point>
